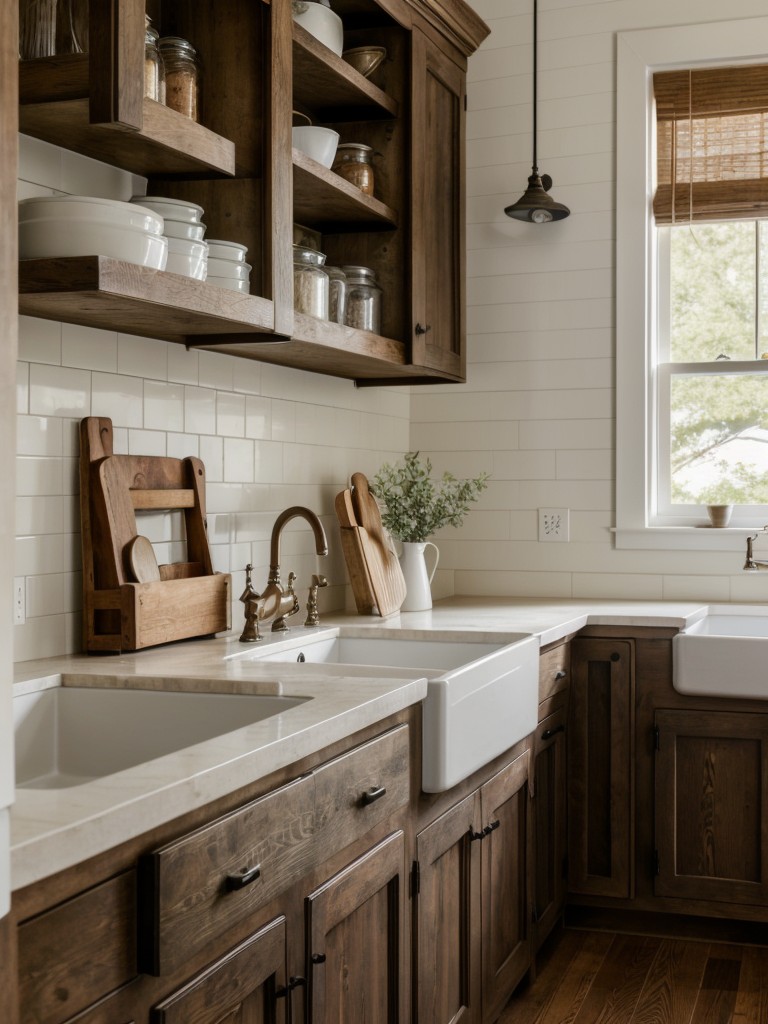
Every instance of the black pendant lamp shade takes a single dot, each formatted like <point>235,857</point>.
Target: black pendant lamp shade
<point>536,204</point>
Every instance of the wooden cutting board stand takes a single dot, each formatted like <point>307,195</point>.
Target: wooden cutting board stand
<point>189,599</point>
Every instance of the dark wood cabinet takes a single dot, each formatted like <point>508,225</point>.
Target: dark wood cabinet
<point>711,788</point>
<point>601,767</point>
<point>549,824</point>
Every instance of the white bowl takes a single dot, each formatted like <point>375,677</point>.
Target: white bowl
<point>229,268</point>
<point>176,209</point>
<point>188,258</point>
<point>229,283</point>
<point>77,209</point>
<point>324,24</point>
<point>50,239</point>
<point>181,229</point>
<point>317,142</point>
<point>226,250</point>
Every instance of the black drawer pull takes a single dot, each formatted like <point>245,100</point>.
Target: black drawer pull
<point>492,827</point>
<point>549,733</point>
<point>235,882</point>
<point>370,796</point>
<point>475,835</point>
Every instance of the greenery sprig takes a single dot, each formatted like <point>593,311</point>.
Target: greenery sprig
<point>415,505</point>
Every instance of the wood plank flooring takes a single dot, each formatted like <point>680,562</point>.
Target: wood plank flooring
<point>602,978</point>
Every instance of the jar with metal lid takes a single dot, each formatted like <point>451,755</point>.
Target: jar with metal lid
<point>363,299</point>
<point>182,76</point>
<point>154,68</point>
<point>337,294</point>
<point>354,162</point>
<point>310,282</point>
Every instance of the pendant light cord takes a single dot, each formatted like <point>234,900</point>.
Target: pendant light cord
<point>535,79</point>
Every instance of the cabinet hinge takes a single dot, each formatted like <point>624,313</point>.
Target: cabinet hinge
<point>656,867</point>
<point>656,738</point>
<point>415,879</point>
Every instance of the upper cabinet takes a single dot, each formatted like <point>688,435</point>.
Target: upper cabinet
<point>262,69</point>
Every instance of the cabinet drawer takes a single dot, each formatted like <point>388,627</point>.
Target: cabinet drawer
<point>554,671</point>
<point>197,887</point>
<point>356,791</point>
<point>78,952</point>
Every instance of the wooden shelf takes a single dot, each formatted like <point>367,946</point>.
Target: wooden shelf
<point>327,202</point>
<point>55,107</point>
<point>331,88</point>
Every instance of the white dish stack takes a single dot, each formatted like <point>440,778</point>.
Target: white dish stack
<point>227,267</point>
<point>55,226</point>
<point>187,252</point>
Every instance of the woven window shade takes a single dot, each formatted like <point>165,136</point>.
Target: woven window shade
<point>711,138</point>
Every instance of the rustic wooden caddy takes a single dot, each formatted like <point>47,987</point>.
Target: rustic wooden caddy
<point>189,599</point>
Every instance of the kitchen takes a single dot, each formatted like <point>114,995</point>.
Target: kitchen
<point>537,412</point>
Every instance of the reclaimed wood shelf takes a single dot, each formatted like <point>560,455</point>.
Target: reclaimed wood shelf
<point>55,107</point>
<point>327,85</point>
<point>327,202</point>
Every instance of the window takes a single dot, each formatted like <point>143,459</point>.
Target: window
<point>692,283</point>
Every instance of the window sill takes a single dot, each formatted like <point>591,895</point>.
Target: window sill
<point>684,538</point>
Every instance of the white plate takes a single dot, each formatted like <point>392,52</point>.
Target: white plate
<point>51,238</point>
<point>176,209</point>
<point>226,250</point>
<point>76,209</point>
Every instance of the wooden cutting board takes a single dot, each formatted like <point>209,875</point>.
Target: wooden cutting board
<point>352,546</point>
<point>386,576</point>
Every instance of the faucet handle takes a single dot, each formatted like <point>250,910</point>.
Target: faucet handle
<point>313,619</point>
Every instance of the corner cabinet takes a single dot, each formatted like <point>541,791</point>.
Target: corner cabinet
<point>239,165</point>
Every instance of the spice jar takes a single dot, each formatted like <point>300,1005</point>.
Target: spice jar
<point>354,161</point>
<point>154,68</point>
<point>337,294</point>
<point>363,299</point>
<point>310,282</point>
<point>181,76</point>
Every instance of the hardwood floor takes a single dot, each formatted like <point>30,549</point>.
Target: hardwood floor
<point>602,978</point>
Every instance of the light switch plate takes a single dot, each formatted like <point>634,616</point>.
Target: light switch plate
<point>554,524</point>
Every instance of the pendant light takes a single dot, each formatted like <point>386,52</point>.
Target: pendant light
<point>535,204</point>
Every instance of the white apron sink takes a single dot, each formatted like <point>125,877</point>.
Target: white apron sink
<point>724,653</point>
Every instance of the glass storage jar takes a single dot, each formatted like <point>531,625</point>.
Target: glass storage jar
<point>354,162</point>
<point>154,68</point>
<point>337,294</point>
<point>310,282</point>
<point>182,76</point>
<point>363,299</point>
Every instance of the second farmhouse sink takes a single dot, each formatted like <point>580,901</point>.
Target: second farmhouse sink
<point>481,698</point>
<point>70,735</point>
<point>724,653</point>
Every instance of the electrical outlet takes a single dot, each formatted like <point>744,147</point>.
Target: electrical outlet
<point>19,601</point>
<point>554,524</point>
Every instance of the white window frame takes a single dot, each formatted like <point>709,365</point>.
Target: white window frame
<point>639,54</point>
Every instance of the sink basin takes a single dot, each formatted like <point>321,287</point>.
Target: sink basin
<point>70,735</point>
<point>481,697</point>
<point>724,653</point>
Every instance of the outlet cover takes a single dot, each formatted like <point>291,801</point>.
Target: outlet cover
<point>19,601</point>
<point>554,524</point>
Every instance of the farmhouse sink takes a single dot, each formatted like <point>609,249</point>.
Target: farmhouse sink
<point>70,735</point>
<point>481,697</point>
<point>724,653</point>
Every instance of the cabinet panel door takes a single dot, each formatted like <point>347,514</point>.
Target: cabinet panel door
<point>600,772</point>
<point>437,207</point>
<point>447,918</point>
<point>506,909</point>
<point>240,988</point>
<point>549,832</point>
<point>355,935</point>
<point>712,806</point>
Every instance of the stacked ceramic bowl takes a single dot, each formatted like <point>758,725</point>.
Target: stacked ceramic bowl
<point>227,267</point>
<point>55,226</point>
<point>184,229</point>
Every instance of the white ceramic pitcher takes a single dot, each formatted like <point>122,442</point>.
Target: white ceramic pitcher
<point>413,562</point>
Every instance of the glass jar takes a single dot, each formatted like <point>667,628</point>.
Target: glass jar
<point>363,299</point>
<point>154,68</point>
<point>182,79</point>
<point>354,162</point>
<point>310,282</point>
<point>337,294</point>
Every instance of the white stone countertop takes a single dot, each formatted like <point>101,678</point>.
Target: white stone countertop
<point>52,829</point>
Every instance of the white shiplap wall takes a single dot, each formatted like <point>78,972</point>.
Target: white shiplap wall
<point>538,409</point>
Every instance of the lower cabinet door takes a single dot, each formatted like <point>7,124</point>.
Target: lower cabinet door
<point>356,969</point>
<point>506,907</point>
<point>243,987</point>
<point>447,919</point>
<point>549,824</point>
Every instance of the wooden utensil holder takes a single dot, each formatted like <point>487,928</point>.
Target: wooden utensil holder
<point>190,599</point>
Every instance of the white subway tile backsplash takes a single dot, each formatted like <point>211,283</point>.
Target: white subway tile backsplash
<point>585,465</point>
<point>39,435</point>
<point>181,446</point>
<point>146,442</point>
<point>59,391</point>
<point>183,365</point>
<point>40,340</point>
<point>268,465</point>
<point>199,410</point>
<point>258,417</point>
<point>230,415</point>
<point>212,456</point>
<point>238,460</point>
<point>22,387</point>
<point>144,357</point>
<point>39,513</point>
<point>89,348</point>
<point>567,434</point>
<point>217,370</point>
<point>119,397</point>
<point>599,586</point>
<point>163,406</point>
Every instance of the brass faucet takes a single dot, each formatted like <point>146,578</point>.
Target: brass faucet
<point>275,604</point>
<point>752,564</point>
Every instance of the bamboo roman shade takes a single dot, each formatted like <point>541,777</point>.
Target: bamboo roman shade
<point>712,143</point>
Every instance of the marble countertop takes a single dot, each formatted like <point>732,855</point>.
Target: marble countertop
<point>52,829</point>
